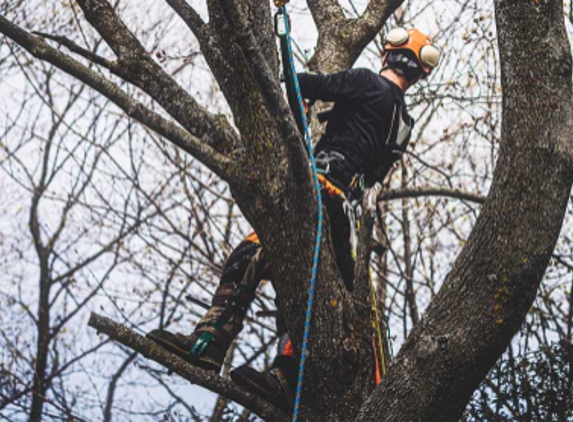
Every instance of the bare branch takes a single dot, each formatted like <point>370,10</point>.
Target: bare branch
<point>419,192</point>
<point>218,163</point>
<point>75,48</point>
<point>136,66</point>
<point>150,350</point>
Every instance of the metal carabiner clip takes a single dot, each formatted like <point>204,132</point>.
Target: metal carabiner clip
<point>281,28</point>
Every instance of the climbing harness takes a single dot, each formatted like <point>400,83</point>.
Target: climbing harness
<point>294,96</point>
<point>331,166</point>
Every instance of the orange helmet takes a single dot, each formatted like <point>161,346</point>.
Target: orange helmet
<point>427,54</point>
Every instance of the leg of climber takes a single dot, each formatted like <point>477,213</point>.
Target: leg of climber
<point>207,345</point>
<point>340,233</point>
<point>277,385</point>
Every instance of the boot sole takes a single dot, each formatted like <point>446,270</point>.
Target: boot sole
<point>202,362</point>
<point>253,387</point>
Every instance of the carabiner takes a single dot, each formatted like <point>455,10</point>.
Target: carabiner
<point>281,28</point>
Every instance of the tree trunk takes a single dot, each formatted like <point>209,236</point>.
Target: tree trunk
<point>494,281</point>
<point>41,357</point>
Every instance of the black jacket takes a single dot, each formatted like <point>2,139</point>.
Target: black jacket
<point>368,124</point>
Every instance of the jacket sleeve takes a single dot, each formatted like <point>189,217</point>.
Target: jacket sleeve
<point>347,85</point>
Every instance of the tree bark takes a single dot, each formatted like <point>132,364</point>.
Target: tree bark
<point>493,283</point>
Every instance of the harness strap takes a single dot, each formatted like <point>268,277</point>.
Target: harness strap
<point>334,166</point>
<point>253,237</point>
<point>331,189</point>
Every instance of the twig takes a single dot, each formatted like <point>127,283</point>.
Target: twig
<point>75,48</point>
<point>415,193</point>
<point>38,47</point>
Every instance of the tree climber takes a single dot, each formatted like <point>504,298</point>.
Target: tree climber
<point>367,132</point>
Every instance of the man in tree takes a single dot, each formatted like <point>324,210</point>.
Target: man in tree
<point>368,130</point>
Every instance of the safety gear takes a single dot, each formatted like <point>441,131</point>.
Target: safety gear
<point>425,52</point>
<point>276,385</point>
<point>338,177</point>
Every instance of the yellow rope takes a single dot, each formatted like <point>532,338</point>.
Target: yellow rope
<point>376,324</point>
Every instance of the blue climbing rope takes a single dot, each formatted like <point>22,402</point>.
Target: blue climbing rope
<point>291,72</point>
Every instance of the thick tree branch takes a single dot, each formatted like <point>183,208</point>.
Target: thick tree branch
<point>204,33</point>
<point>372,20</point>
<point>191,18</point>
<point>136,66</point>
<point>150,350</point>
<point>325,13</point>
<point>341,40</point>
<point>40,49</point>
<point>209,43</point>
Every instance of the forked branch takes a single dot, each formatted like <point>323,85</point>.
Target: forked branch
<point>136,66</point>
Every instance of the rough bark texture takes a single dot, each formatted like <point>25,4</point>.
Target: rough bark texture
<point>494,280</point>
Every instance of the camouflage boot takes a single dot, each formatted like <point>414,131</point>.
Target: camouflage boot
<point>207,346</point>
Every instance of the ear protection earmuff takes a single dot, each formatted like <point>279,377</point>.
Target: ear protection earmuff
<point>430,56</point>
<point>397,36</point>
<point>412,39</point>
